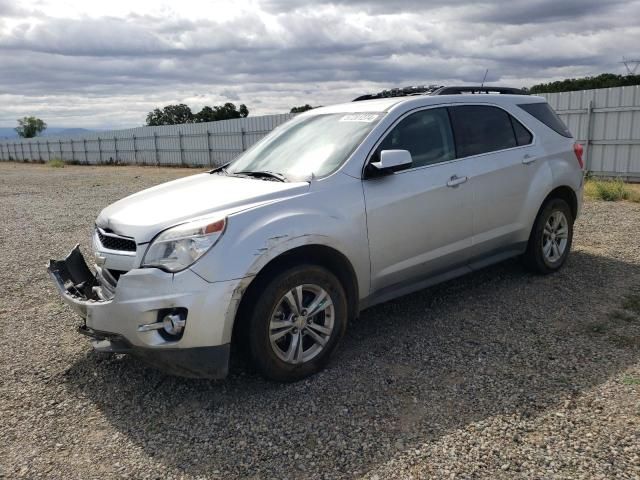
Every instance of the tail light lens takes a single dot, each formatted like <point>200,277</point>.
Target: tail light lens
<point>578,149</point>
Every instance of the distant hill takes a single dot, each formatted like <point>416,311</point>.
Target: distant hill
<point>8,132</point>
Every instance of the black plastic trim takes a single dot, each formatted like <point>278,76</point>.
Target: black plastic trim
<point>471,89</point>
<point>196,362</point>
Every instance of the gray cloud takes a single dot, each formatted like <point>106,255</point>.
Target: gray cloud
<point>514,11</point>
<point>110,71</point>
<point>8,8</point>
<point>544,11</point>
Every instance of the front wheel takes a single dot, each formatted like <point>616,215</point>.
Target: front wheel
<point>551,237</point>
<point>297,322</point>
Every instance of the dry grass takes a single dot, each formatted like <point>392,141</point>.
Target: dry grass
<point>612,190</point>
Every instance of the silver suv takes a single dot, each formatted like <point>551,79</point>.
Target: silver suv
<point>339,209</point>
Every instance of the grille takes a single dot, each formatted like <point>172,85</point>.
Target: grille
<point>115,242</point>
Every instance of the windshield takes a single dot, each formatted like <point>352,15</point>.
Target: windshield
<point>316,144</point>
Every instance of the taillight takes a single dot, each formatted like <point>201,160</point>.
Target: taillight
<point>578,149</point>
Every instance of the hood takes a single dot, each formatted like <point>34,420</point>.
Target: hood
<point>144,214</point>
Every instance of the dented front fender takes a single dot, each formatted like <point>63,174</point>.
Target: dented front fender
<point>257,236</point>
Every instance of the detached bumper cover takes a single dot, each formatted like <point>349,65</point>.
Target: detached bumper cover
<point>113,316</point>
<point>75,281</point>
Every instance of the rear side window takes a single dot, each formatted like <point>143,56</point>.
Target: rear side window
<point>481,129</point>
<point>544,113</point>
<point>426,134</point>
<point>523,136</point>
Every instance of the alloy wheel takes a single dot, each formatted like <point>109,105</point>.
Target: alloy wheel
<point>301,324</point>
<point>555,236</point>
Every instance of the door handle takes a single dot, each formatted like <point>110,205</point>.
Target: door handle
<point>455,180</point>
<point>528,159</point>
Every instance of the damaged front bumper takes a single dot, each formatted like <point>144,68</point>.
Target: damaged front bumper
<point>120,318</point>
<point>76,283</point>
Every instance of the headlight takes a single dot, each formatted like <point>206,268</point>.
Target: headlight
<point>178,247</point>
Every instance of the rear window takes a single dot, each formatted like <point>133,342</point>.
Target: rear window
<point>544,113</point>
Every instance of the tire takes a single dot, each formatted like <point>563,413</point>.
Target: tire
<point>549,246</point>
<point>278,323</point>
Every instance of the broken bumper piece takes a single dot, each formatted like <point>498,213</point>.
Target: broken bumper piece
<point>117,316</point>
<point>76,283</point>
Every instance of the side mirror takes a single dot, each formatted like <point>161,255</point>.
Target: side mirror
<point>391,161</point>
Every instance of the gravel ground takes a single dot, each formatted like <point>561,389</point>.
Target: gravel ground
<point>499,374</point>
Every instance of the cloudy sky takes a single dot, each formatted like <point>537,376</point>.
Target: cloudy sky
<point>103,64</point>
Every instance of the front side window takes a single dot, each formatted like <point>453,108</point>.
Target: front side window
<point>426,135</point>
<point>309,144</point>
<point>481,129</point>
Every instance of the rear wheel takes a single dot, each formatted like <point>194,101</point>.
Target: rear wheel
<point>551,237</point>
<point>297,322</point>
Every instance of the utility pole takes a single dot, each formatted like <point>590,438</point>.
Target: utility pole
<point>631,64</point>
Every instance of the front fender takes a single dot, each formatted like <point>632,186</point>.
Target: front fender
<point>333,218</point>
<point>270,240</point>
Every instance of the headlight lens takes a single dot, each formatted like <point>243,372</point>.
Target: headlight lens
<point>179,247</point>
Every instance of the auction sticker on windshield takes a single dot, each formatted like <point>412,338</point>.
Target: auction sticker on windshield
<point>360,117</point>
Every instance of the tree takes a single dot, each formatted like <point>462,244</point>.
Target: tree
<point>177,114</point>
<point>207,114</point>
<point>227,111</point>
<point>604,80</point>
<point>29,127</point>
<point>170,115</point>
<point>301,109</point>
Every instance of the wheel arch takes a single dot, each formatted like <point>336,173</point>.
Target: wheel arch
<point>565,193</point>
<point>315,254</point>
<point>531,257</point>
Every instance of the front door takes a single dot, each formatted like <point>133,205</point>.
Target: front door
<point>419,220</point>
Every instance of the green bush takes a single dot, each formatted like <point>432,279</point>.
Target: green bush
<point>609,190</point>
<point>56,163</point>
<point>612,190</point>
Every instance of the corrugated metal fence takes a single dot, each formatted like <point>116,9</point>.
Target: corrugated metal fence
<point>195,144</point>
<point>607,122</point>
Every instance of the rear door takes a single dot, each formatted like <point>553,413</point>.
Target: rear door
<point>502,157</point>
<point>419,220</point>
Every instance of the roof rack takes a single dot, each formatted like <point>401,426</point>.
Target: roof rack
<point>471,89</point>
<point>400,92</point>
<point>441,90</point>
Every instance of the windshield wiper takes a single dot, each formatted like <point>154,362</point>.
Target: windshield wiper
<point>263,174</point>
<point>220,169</point>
